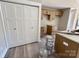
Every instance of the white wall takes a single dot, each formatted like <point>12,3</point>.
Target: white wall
<point>63,21</point>
<point>3,43</point>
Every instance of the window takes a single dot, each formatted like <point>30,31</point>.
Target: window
<point>77,26</point>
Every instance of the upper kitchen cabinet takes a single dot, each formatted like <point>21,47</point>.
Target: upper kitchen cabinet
<point>51,14</point>
<point>59,13</point>
<point>45,11</point>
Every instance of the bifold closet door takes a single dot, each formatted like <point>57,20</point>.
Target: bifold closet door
<point>13,23</point>
<point>21,23</point>
<point>31,23</point>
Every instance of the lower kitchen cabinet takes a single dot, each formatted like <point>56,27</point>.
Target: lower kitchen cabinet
<point>65,47</point>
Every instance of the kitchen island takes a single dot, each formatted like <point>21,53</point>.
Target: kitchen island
<point>67,45</point>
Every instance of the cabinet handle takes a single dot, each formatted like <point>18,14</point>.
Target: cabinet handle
<point>65,43</point>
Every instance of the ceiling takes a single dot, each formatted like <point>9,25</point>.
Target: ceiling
<point>59,4</point>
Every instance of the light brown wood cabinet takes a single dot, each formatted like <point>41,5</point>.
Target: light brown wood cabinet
<point>51,14</point>
<point>44,11</point>
<point>59,13</point>
<point>65,47</point>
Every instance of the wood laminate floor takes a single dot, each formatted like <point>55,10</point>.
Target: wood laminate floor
<point>25,51</point>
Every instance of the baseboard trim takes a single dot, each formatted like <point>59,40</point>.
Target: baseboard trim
<point>24,44</point>
<point>4,53</point>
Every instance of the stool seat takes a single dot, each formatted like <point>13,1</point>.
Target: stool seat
<point>49,37</point>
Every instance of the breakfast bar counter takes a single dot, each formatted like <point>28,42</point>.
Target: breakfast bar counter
<point>74,38</point>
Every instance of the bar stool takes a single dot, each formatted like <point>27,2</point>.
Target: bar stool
<point>49,44</point>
